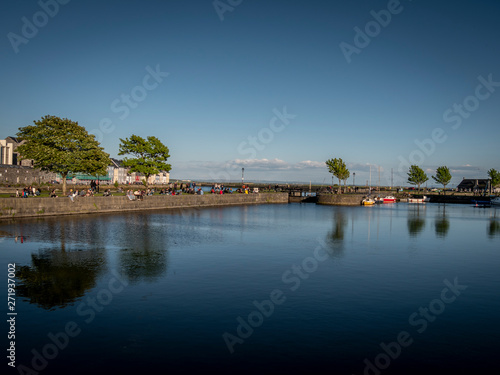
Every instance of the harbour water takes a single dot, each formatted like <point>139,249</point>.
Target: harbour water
<point>294,288</point>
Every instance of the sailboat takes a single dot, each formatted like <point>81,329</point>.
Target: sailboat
<point>368,201</point>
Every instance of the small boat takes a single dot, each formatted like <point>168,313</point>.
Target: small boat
<point>418,199</point>
<point>367,201</point>
<point>379,199</point>
<point>481,204</point>
<point>389,199</point>
<point>495,201</point>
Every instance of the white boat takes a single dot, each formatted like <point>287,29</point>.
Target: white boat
<point>418,199</point>
<point>495,201</point>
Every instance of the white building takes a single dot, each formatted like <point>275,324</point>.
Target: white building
<point>6,152</point>
<point>117,172</point>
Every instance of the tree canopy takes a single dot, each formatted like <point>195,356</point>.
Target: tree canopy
<point>150,155</point>
<point>339,169</point>
<point>62,146</point>
<point>443,176</point>
<point>416,176</point>
<point>495,177</point>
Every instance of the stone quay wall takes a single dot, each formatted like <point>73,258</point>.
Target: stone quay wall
<point>341,199</point>
<point>38,207</point>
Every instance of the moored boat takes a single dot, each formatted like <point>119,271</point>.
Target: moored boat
<point>495,201</point>
<point>389,199</point>
<point>367,201</point>
<point>418,199</point>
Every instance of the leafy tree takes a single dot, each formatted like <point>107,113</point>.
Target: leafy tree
<point>62,146</point>
<point>416,176</point>
<point>150,155</point>
<point>339,169</point>
<point>495,177</point>
<point>443,176</point>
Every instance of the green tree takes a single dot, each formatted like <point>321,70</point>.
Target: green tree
<point>416,176</point>
<point>62,146</point>
<point>150,155</point>
<point>495,177</point>
<point>339,169</point>
<point>443,177</point>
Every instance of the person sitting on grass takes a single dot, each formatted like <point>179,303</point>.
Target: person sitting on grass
<point>53,193</point>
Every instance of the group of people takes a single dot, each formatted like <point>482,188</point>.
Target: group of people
<point>82,193</point>
<point>138,194</point>
<point>30,191</point>
<point>94,186</point>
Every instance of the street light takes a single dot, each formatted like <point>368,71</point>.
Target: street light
<point>354,179</point>
<point>242,175</point>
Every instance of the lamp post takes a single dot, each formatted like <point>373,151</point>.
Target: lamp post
<point>242,175</point>
<point>353,179</point>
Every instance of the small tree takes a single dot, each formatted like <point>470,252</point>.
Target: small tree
<point>150,155</point>
<point>339,169</point>
<point>62,146</point>
<point>495,177</point>
<point>443,176</point>
<point>416,176</point>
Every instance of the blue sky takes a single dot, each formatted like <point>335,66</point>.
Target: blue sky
<point>275,87</point>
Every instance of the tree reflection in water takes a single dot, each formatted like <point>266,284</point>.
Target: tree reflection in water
<point>494,227</point>
<point>144,256</point>
<point>416,223</point>
<point>335,237</point>
<point>442,223</point>
<point>57,278</point>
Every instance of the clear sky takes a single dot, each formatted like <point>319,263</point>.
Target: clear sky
<point>275,87</point>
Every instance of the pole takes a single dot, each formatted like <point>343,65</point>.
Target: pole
<point>354,179</point>
<point>370,178</point>
<point>242,175</point>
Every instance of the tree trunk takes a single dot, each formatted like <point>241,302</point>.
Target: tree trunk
<point>340,187</point>
<point>444,189</point>
<point>64,183</point>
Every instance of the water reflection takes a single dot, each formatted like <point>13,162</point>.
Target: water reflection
<point>494,227</point>
<point>335,237</point>
<point>57,278</point>
<point>442,223</point>
<point>416,221</point>
<point>144,255</point>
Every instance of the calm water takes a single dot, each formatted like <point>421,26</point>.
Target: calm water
<point>258,289</point>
